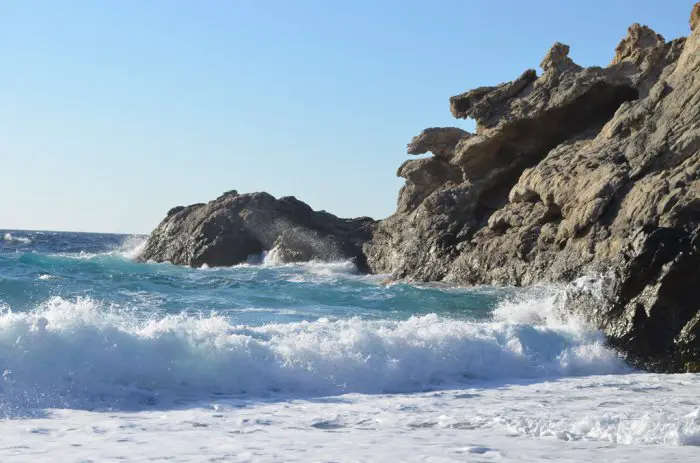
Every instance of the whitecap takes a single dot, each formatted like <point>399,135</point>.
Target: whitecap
<point>96,347</point>
<point>17,239</point>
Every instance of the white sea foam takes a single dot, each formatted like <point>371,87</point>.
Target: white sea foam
<point>88,350</point>
<point>132,246</point>
<point>633,418</point>
<point>17,239</point>
<point>531,385</point>
<point>620,427</point>
<point>545,305</point>
<point>336,267</point>
<point>343,267</point>
<point>272,258</point>
<point>302,270</point>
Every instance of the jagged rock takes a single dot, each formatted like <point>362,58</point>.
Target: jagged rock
<point>481,102</point>
<point>640,45</point>
<point>228,193</point>
<point>439,213</point>
<point>658,298</point>
<point>558,61</point>
<point>175,210</point>
<point>423,176</point>
<point>695,17</point>
<point>440,141</point>
<point>574,171</point>
<point>234,227</point>
<point>648,306</point>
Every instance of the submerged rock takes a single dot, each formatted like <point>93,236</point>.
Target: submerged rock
<point>235,227</point>
<point>569,172</point>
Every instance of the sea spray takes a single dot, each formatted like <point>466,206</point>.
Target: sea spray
<point>132,246</point>
<point>89,350</point>
<point>9,237</point>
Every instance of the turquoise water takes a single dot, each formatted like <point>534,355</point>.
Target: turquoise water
<point>34,266</point>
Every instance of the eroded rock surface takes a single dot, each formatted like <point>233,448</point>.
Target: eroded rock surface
<point>572,171</point>
<point>237,227</point>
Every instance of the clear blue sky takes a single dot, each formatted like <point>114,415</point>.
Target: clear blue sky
<point>111,112</point>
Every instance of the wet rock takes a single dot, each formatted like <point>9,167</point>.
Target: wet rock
<point>235,227</point>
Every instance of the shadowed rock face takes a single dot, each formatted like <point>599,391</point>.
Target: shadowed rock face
<point>573,171</point>
<point>235,228</point>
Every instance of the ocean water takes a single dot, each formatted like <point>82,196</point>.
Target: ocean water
<point>107,359</point>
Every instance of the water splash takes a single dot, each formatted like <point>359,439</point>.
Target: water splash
<point>87,350</point>
<point>9,237</point>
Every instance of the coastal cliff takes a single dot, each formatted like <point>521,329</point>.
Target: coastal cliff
<point>572,172</point>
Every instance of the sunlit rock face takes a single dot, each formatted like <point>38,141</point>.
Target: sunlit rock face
<point>572,171</point>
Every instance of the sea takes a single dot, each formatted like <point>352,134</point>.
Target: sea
<point>104,358</point>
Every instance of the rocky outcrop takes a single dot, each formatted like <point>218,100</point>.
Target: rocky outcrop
<point>570,173</point>
<point>236,228</point>
<point>440,141</point>
<point>574,171</point>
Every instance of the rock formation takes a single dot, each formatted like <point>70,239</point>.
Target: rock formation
<point>574,171</point>
<point>234,228</point>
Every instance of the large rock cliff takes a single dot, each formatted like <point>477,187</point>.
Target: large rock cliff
<point>573,171</point>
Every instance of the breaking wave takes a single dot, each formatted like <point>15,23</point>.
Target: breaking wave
<point>129,248</point>
<point>79,353</point>
<point>9,237</point>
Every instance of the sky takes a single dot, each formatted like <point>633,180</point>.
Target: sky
<point>113,112</point>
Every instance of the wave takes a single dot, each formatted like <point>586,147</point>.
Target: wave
<point>75,353</point>
<point>130,248</point>
<point>322,267</point>
<point>317,267</point>
<point>271,260</point>
<point>17,239</point>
